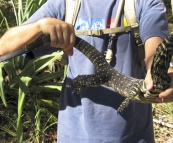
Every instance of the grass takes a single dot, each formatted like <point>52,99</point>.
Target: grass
<point>31,129</point>
<point>163,113</point>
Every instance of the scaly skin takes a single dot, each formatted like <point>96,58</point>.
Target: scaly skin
<point>130,88</point>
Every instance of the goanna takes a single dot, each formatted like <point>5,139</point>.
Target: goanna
<point>130,88</point>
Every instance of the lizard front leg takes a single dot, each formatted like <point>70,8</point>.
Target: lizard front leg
<point>83,81</point>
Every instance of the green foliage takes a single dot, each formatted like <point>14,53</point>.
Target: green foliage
<point>25,9</point>
<point>28,81</point>
<point>4,20</point>
<point>169,10</point>
<point>27,110</point>
<point>2,94</point>
<point>6,16</point>
<point>15,12</point>
<point>23,90</point>
<point>3,23</point>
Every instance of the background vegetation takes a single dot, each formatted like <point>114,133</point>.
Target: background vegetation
<point>27,112</point>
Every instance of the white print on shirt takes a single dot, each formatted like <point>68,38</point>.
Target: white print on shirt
<point>88,24</point>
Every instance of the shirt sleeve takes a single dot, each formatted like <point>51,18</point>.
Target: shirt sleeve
<point>151,15</point>
<point>54,9</point>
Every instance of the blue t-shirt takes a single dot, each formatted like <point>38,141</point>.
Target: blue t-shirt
<point>91,116</point>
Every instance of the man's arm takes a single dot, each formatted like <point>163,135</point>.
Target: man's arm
<point>150,48</point>
<point>61,34</point>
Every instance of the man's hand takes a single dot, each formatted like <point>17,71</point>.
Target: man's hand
<point>165,96</point>
<point>62,34</point>
<point>151,45</point>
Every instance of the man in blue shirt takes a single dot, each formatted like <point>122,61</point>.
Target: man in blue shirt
<point>91,116</point>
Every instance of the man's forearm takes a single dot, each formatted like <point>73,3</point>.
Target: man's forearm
<point>18,37</point>
<point>62,35</point>
<point>150,48</point>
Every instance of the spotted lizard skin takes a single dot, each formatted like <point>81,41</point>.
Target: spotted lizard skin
<point>130,88</point>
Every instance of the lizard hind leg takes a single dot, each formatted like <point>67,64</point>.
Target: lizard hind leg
<point>125,103</point>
